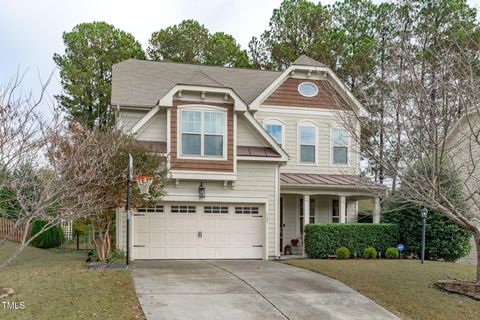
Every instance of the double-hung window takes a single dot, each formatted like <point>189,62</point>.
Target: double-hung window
<point>203,133</point>
<point>275,129</point>
<point>340,145</point>
<point>307,138</point>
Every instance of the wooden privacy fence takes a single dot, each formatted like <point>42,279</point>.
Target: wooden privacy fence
<point>6,226</point>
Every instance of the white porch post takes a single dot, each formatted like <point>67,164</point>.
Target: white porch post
<point>343,209</point>
<point>376,210</point>
<point>306,217</point>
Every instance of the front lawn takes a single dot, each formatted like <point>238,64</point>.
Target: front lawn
<point>405,287</point>
<point>55,284</point>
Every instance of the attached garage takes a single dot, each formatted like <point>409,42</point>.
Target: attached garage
<point>199,231</point>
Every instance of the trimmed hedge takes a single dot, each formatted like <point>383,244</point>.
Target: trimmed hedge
<point>51,238</point>
<point>322,240</point>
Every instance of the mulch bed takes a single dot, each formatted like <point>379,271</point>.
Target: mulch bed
<point>467,288</point>
<point>6,292</point>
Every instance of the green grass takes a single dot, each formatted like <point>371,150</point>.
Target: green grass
<point>405,287</point>
<point>55,284</point>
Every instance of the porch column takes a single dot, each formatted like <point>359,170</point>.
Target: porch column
<point>343,209</point>
<point>306,216</point>
<point>376,210</point>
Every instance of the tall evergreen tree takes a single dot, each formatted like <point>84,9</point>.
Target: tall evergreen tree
<point>86,70</point>
<point>191,42</point>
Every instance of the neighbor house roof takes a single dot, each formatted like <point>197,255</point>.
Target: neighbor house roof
<point>327,180</point>
<point>143,83</point>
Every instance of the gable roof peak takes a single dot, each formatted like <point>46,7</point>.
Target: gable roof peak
<point>200,78</point>
<point>304,60</point>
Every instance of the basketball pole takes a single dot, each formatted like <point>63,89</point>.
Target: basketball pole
<point>127,204</point>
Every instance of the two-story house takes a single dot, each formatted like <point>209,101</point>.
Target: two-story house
<point>254,156</point>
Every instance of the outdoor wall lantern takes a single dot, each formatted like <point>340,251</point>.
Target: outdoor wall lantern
<point>201,191</point>
<point>424,213</point>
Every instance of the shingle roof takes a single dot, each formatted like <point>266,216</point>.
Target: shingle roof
<point>303,60</point>
<point>327,180</point>
<point>143,83</point>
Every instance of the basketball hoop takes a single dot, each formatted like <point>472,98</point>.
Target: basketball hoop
<point>143,183</point>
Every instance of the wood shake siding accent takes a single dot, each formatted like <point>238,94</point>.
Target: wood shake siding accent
<point>199,164</point>
<point>287,95</point>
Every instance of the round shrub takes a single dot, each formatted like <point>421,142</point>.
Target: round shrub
<point>342,253</point>
<point>51,238</point>
<point>391,253</point>
<point>370,253</point>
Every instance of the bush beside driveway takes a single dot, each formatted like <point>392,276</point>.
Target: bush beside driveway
<point>405,287</point>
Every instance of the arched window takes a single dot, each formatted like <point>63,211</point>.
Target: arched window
<point>307,142</point>
<point>276,129</point>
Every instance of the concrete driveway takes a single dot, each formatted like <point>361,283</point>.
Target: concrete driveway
<point>210,290</point>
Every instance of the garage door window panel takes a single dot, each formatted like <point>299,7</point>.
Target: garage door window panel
<point>215,209</point>
<point>246,210</point>
<point>183,209</point>
<point>154,209</point>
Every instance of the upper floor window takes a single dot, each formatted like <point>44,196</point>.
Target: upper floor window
<point>276,129</point>
<point>307,140</point>
<point>308,89</point>
<point>203,132</point>
<point>340,145</point>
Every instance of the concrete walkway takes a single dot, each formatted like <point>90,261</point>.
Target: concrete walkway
<point>210,290</point>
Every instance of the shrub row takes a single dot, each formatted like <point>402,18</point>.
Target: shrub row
<point>322,240</point>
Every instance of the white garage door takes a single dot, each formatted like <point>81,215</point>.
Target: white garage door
<point>198,231</point>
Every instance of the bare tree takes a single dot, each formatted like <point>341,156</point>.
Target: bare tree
<point>54,171</point>
<point>432,114</point>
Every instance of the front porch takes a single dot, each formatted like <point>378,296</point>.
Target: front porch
<point>335,200</point>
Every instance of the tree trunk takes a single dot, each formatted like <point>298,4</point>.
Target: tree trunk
<point>102,242</point>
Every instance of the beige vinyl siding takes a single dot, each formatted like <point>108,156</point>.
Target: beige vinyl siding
<point>324,121</point>
<point>255,181</point>
<point>121,230</point>
<point>127,118</point>
<point>154,130</point>
<point>247,136</point>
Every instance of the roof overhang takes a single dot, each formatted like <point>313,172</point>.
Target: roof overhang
<point>167,99</point>
<point>268,138</point>
<point>336,82</point>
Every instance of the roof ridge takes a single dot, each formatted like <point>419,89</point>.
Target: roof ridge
<point>203,65</point>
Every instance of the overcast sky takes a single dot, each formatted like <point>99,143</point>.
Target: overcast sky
<point>31,31</point>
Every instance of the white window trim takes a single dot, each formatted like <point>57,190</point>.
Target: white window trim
<point>311,124</point>
<point>330,205</point>
<point>332,163</point>
<point>276,121</point>
<point>202,109</point>
<point>308,96</point>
